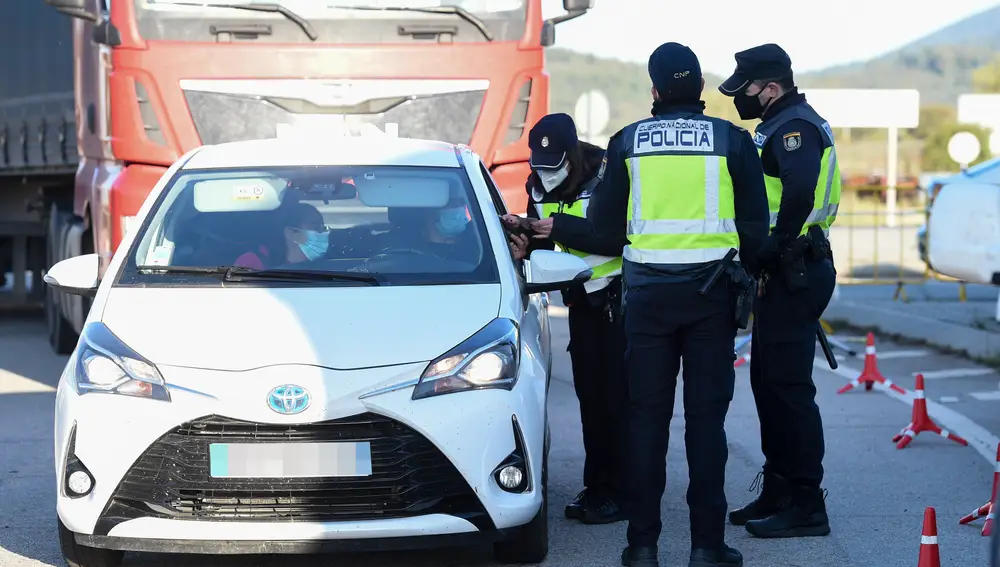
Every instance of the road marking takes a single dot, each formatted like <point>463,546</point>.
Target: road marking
<point>986,396</point>
<point>978,437</point>
<point>903,354</point>
<point>954,373</point>
<point>11,383</point>
<point>948,399</point>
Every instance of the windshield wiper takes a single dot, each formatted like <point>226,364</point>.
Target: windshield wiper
<point>271,7</point>
<point>237,273</point>
<point>452,10</point>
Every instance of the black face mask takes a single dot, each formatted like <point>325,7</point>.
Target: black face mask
<point>749,107</point>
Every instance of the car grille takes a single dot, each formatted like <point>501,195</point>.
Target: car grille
<point>448,117</point>
<point>410,477</point>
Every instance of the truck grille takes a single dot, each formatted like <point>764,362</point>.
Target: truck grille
<point>410,477</point>
<point>448,117</point>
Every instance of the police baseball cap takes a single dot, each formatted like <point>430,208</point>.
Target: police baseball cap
<point>675,72</point>
<point>550,141</point>
<point>768,61</point>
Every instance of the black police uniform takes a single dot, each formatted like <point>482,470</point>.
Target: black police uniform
<point>597,341</point>
<point>783,346</point>
<point>666,319</point>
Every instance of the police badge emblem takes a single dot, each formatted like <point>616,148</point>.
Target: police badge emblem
<point>545,141</point>
<point>792,141</point>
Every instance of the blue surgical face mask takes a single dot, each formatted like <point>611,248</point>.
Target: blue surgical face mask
<point>316,244</point>
<point>452,221</point>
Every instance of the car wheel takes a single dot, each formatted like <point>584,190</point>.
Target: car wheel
<point>531,542</point>
<point>77,555</point>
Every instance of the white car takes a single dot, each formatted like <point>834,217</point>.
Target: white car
<point>247,382</point>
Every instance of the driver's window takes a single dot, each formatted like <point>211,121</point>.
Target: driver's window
<point>500,205</point>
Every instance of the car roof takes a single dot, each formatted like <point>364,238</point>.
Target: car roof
<point>335,150</point>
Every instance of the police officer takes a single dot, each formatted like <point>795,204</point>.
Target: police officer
<point>564,175</point>
<point>803,192</point>
<point>685,189</point>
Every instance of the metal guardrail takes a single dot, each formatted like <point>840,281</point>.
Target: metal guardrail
<point>877,244</point>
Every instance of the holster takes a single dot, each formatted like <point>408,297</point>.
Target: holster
<point>792,265</point>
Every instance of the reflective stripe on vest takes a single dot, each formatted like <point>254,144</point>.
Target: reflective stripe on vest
<point>681,206</point>
<point>826,196</point>
<point>605,267</point>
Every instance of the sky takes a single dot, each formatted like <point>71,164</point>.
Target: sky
<point>812,32</point>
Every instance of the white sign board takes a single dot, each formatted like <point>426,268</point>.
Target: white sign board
<point>866,108</point>
<point>979,109</point>
<point>592,113</point>
<point>963,147</point>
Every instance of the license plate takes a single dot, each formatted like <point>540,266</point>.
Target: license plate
<point>289,460</point>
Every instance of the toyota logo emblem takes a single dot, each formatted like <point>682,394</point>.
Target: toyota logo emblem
<point>288,399</point>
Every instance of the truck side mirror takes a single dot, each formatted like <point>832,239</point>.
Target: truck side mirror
<point>574,9</point>
<point>578,5</point>
<point>75,9</point>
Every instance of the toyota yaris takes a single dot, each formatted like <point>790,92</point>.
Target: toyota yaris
<point>303,348</point>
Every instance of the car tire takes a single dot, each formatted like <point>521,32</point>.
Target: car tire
<point>77,555</point>
<point>530,544</point>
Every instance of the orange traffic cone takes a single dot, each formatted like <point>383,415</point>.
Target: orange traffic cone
<point>920,421</point>
<point>987,509</point>
<point>929,555</point>
<point>870,374</point>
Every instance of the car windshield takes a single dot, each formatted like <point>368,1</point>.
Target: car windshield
<point>353,225</point>
<point>382,20</point>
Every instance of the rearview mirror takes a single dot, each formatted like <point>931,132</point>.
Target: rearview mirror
<point>577,5</point>
<point>76,276</point>
<point>963,232</point>
<point>574,9</point>
<point>74,8</point>
<point>552,271</point>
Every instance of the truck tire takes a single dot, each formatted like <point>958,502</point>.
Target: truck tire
<point>530,543</point>
<point>62,338</point>
<point>77,555</point>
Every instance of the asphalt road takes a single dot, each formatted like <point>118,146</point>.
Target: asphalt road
<point>876,493</point>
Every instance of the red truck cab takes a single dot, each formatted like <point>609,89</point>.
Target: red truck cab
<point>156,78</point>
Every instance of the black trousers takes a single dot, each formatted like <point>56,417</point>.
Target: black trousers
<point>597,352</point>
<point>663,324</point>
<point>782,351</point>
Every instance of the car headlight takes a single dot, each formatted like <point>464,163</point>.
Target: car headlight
<point>107,365</point>
<point>487,359</point>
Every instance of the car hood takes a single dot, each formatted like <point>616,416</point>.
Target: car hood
<point>342,328</point>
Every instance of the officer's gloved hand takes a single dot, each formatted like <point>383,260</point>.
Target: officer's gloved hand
<point>769,252</point>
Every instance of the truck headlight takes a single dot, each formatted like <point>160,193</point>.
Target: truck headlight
<point>487,359</point>
<point>107,365</point>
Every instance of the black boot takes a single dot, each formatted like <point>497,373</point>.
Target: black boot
<point>774,496</point>
<point>640,556</point>
<point>575,509</point>
<point>805,516</point>
<point>601,509</point>
<point>724,556</point>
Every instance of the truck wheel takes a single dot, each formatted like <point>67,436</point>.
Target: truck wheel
<point>62,338</point>
<point>531,542</point>
<point>77,555</point>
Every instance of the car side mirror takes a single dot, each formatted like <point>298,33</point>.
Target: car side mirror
<point>552,271</point>
<point>74,9</point>
<point>78,275</point>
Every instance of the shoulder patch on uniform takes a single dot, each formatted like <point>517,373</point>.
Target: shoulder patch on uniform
<point>792,141</point>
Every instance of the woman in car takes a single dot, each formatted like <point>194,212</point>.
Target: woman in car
<point>565,171</point>
<point>303,238</point>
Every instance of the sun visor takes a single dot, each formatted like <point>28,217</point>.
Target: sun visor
<point>239,194</point>
<point>386,190</point>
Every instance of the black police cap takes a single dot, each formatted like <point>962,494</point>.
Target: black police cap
<point>550,141</point>
<point>768,61</point>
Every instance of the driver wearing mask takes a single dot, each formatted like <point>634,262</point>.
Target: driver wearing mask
<point>443,228</point>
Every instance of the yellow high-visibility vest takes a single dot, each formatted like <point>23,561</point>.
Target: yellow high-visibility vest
<point>605,267</point>
<point>681,206</point>
<point>826,198</point>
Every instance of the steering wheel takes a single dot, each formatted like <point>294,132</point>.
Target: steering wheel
<point>395,251</point>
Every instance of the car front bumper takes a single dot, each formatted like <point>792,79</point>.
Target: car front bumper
<point>115,437</point>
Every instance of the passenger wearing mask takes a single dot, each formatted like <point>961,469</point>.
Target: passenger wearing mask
<point>304,237</point>
<point>684,189</point>
<point>565,172</point>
